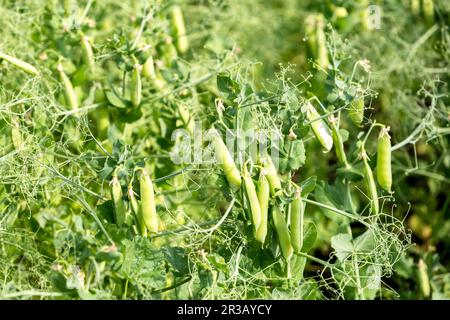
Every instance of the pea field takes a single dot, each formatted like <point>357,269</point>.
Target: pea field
<point>225,149</point>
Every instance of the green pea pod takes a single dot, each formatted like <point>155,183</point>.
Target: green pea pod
<point>310,30</point>
<point>148,69</point>
<point>252,198</point>
<point>179,28</point>
<point>226,162</point>
<point>370,185</point>
<point>415,7</point>
<point>118,205</point>
<point>272,176</point>
<point>136,84</point>
<point>384,172</point>
<point>320,128</point>
<point>263,188</point>
<point>339,143</point>
<point>428,10</point>
<point>297,213</point>
<point>19,64</point>
<point>148,206</point>
<point>135,207</point>
<point>282,231</point>
<point>356,111</point>
<point>322,52</point>
<point>69,91</point>
<point>87,52</point>
<point>424,279</point>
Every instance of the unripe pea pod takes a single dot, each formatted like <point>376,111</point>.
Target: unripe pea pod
<point>297,214</point>
<point>282,231</point>
<point>356,111</point>
<point>118,204</point>
<point>136,209</point>
<point>87,52</point>
<point>272,176</point>
<point>322,52</point>
<point>136,84</point>
<point>19,64</point>
<point>148,206</point>
<point>415,7</point>
<point>226,162</point>
<point>179,28</point>
<point>384,171</point>
<point>428,10</point>
<point>370,185</point>
<point>148,69</point>
<point>310,30</point>
<point>424,279</point>
<point>263,190</point>
<point>252,198</point>
<point>69,91</point>
<point>320,128</point>
<point>338,142</point>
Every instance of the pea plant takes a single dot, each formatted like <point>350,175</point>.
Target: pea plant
<point>147,161</point>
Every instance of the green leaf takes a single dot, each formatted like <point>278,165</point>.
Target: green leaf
<point>105,211</point>
<point>308,185</point>
<point>218,261</point>
<point>131,115</point>
<point>344,134</point>
<point>142,263</point>
<point>333,196</point>
<point>178,259</point>
<point>366,241</point>
<point>296,159</point>
<point>370,279</point>
<point>59,282</point>
<point>228,87</point>
<point>342,245</point>
<point>309,236</point>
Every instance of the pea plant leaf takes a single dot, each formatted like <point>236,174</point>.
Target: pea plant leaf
<point>343,245</point>
<point>178,259</point>
<point>295,159</point>
<point>309,236</point>
<point>308,185</point>
<point>334,196</point>
<point>228,88</point>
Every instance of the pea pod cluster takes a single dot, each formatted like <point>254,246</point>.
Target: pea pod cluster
<point>143,210</point>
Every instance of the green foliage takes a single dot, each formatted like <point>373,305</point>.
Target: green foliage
<point>237,72</point>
